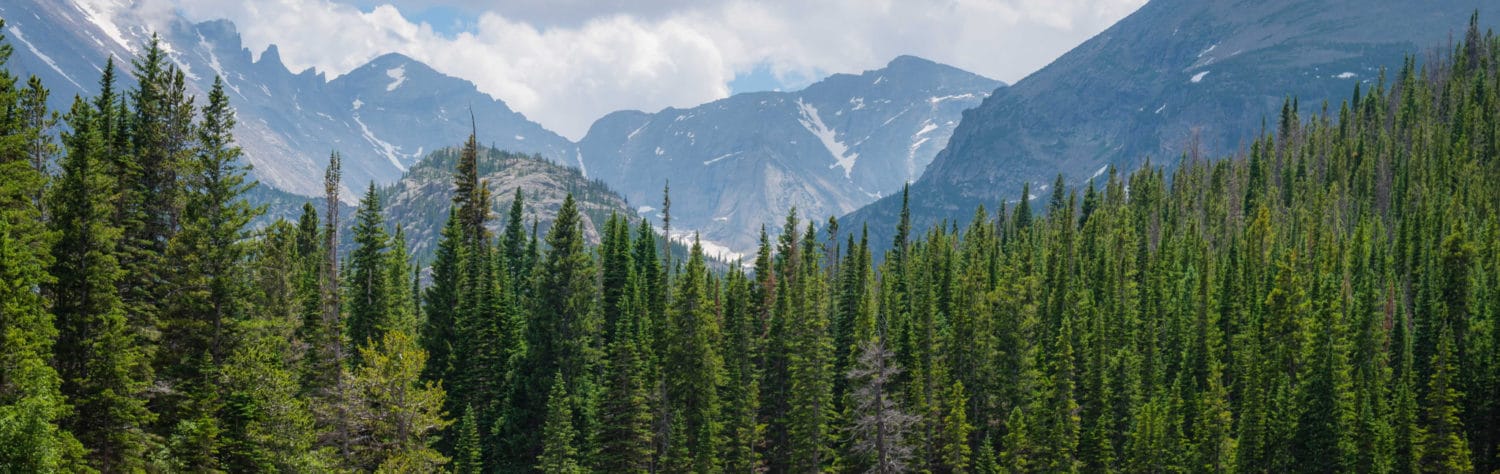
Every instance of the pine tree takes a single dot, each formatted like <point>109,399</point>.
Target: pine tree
<point>401,300</point>
<point>396,413</point>
<point>367,276</point>
<point>102,371</point>
<point>811,411</point>
<point>484,339</point>
<point>472,195</point>
<point>743,431</point>
<point>267,425</point>
<point>206,286</point>
<point>148,196</point>
<point>1057,408</point>
<point>439,302</point>
<point>954,447</point>
<point>692,342</point>
<point>1445,448</point>
<point>1322,442</point>
<point>1213,441</point>
<point>559,452</point>
<point>515,240</point>
<point>624,438</point>
<point>31,403</point>
<point>468,456</point>
<point>616,263</point>
<point>560,335</point>
<point>1019,449</point>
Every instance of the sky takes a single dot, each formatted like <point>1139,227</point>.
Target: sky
<point>565,63</point>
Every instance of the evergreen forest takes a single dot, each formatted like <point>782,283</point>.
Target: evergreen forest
<point>1327,300</point>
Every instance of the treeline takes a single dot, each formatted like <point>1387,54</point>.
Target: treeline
<point>1330,301</point>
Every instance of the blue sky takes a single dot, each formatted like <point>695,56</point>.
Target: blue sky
<point>565,63</point>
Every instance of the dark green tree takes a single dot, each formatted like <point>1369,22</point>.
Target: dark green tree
<point>367,280</point>
<point>103,372</point>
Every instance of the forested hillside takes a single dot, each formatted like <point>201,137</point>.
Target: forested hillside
<point>543,185</point>
<point>1326,302</point>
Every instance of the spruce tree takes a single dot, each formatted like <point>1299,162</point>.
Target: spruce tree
<point>559,451</point>
<point>741,401</point>
<point>208,284</point>
<point>624,439</point>
<point>696,367</point>
<point>561,334</point>
<point>514,240</point>
<point>31,402</point>
<point>954,448</point>
<point>468,455</point>
<point>811,411</point>
<point>1445,446</point>
<point>439,301</point>
<point>368,280</point>
<point>102,370</point>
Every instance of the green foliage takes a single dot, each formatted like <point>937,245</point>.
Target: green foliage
<point>692,341</point>
<point>561,336</point>
<point>559,451</point>
<point>396,413</point>
<point>368,283</point>
<point>624,438</point>
<point>104,373</point>
<point>468,455</point>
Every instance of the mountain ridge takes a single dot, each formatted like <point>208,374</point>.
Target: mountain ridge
<point>289,121</point>
<point>1173,77</point>
<point>825,149</point>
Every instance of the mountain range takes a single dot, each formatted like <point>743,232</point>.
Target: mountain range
<point>825,150</point>
<point>382,117</point>
<point>828,149</point>
<point>1175,76</point>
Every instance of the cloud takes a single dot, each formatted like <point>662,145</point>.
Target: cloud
<point>565,63</point>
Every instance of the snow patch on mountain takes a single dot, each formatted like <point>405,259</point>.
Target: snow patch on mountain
<point>103,20</point>
<point>710,248</point>
<point>936,100</point>
<point>927,126</point>
<point>814,124</point>
<point>15,31</point>
<point>1199,77</point>
<point>388,150</point>
<point>397,75</point>
<point>215,65</point>
<point>719,158</point>
<point>636,131</point>
<point>584,170</point>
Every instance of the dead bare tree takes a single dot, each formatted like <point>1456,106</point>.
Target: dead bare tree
<point>879,425</point>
